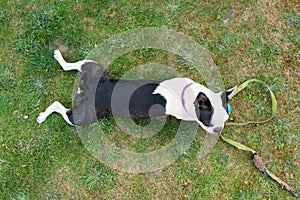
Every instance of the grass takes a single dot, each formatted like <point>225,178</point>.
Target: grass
<point>246,40</point>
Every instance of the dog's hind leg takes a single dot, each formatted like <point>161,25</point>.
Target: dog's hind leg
<point>69,66</point>
<point>55,107</point>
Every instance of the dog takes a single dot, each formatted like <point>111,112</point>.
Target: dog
<point>99,95</point>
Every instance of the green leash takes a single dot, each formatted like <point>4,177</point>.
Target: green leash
<point>257,160</point>
<point>274,110</point>
<point>273,99</point>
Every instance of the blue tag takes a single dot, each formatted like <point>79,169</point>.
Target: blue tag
<point>229,109</point>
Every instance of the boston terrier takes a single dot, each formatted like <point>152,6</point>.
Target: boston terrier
<point>99,95</point>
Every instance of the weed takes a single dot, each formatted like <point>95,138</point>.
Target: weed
<point>177,6</point>
<point>4,17</point>
<point>226,41</point>
<point>45,18</point>
<point>98,178</point>
<point>266,51</point>
<point>294,19</point>
<point>54,195</point>
<point>27,43</point>
<point>39,86</point>
<point>7,77</point>
<point>250,97</point>
<point>107,125</point>
<point>21,195</point>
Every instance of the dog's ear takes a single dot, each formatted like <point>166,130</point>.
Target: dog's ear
<point>230,92</point>
<point>202,98</point>
<point>204,109</point>
<point>203,101</point>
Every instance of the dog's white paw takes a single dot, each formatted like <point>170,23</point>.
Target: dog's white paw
<point>41,118</point>
<point>57,55</point>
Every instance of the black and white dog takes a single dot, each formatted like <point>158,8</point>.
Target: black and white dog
<point>99,95</point>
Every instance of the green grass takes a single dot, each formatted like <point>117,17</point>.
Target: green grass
<point>245,39</point>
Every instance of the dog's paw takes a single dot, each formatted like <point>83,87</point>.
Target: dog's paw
<point>41,118</point>
<point>57,55</point>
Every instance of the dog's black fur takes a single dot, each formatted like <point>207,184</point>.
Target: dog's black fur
<point>89,108</point>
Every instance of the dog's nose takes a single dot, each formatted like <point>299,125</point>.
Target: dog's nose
<point>218,129</point>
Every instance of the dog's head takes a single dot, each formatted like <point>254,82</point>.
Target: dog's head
<point>212,109</point>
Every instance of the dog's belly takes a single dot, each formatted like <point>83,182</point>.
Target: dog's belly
<point>133,99</point>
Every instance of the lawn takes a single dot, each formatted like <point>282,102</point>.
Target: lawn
<point>246,39</point>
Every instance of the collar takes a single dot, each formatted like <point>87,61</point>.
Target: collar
<point>182,95</point>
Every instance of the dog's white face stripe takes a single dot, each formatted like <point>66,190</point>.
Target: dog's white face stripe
<point>220,115</point>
